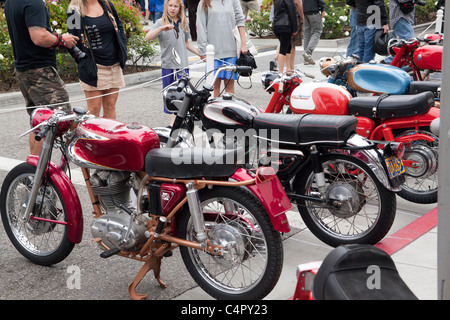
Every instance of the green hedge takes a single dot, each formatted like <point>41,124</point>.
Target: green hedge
<point>130,16</point>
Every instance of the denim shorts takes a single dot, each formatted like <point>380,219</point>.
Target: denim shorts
<point>226,74</point>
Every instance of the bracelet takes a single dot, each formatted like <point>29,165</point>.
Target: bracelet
<point>59,42</point>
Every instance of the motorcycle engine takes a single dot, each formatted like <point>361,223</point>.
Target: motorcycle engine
<point>115,227</point>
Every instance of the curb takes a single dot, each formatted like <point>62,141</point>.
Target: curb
<point>325,47</point>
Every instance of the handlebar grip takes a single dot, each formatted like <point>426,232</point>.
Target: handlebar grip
<point>243,68</point>
<point>181,84</point>
<point>42,133</point>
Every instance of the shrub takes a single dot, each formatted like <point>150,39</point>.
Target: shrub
<point>336,20</point>
<point>130,16</point>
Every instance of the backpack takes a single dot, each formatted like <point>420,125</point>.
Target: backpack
<point>406,6</point>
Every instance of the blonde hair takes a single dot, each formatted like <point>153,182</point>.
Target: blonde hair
<point>79,6</point>
<point>181,16</point>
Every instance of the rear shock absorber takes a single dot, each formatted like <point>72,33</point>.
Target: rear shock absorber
<point>318,170</point>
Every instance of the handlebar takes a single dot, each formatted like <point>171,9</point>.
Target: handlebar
<point>42,133</point>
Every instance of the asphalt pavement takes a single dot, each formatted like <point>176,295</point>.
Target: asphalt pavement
<point>412,241</point>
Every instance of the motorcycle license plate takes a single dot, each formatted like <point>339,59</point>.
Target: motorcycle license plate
<point>395,166</point>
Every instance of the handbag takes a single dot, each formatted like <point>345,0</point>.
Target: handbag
<point>250,47</point>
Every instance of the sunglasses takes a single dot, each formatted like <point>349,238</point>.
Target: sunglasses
<point>176,30</point>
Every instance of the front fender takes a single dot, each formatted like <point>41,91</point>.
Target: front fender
<point>372,158</point>
<point>70,196</point>
<point>276,204</point>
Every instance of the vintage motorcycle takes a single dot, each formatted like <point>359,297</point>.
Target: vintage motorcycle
<point>422,59</point>
<point>402,117</point>
<point>147,201</point>
<point>345,274</point>
<point>343,185</point>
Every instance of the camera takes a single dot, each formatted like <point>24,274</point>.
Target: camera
<point>76,53</point>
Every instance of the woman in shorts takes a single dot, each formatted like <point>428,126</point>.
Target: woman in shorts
<point>216,20</point>
<point>103,40</point>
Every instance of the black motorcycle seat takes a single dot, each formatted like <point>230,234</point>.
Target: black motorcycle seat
<point>306,128</point>
<point>186,163</point>
<point>423,86</point>
<point>394,106</point>
<point>359,272</point>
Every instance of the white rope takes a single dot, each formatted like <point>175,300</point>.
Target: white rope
<point>103,95</point>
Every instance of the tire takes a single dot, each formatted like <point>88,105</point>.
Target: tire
<point>421,183</point>
<point>43,243</point>
<point>258,250</point>
<point>365,219</point>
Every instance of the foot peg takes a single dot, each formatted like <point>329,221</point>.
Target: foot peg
<point>109,253</point>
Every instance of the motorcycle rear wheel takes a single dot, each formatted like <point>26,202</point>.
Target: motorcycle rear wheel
<point>251,266</point>
<point>367,215</point>
<point>44,243</point>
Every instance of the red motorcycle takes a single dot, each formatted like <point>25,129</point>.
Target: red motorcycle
<point>352,272</point>
<point>423,60</point>
<point>147,201</point>
<point>400,118</point>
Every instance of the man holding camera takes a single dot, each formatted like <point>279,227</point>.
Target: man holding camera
<point>35,56</point>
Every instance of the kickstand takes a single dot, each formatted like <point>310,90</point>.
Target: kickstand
<point>153,263</point>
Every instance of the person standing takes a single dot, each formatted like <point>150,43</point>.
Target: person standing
<point>156,8</point>
<point>249,5</point>
<point>173,34</point>
<point>352,47</point>
<point>367,23</point>
<point>192,12</point>
<point>34,51</point>
<point>216,20</point>
<point>285,26</point>
<point>314,11</point>
<point>104,42</point>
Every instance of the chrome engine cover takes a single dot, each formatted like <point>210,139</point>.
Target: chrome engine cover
<point>112,230</point>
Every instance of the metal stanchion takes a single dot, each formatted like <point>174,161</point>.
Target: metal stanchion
<point>443,245</point>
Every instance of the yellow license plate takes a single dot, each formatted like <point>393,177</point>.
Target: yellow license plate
<point>395,166</point>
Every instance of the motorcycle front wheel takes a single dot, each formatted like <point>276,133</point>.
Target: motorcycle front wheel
<point>41,241</point>
<point>251,263</point>
<point>357,208</point>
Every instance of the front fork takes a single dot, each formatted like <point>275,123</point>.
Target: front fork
<point>44,158</point>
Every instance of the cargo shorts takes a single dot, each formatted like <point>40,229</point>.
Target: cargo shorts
<point>42,87</point>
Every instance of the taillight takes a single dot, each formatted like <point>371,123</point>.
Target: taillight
<point>396,149</point>
<point>305,280</point>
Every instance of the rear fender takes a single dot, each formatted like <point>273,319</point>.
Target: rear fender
<point>70,196</point>
<point>276,205</point>
<point>373,159</point>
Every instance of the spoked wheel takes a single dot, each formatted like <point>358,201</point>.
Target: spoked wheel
<point>252,257</point>
<point>421,176</point>
<point>358,208</point>
<point>41,241</point>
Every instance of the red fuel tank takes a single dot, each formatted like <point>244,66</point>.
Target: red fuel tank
<point>112,145</point>
<point>320,98</point>
<point>428,57</point>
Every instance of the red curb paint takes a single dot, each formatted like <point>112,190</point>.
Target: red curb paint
<point>409,233</point>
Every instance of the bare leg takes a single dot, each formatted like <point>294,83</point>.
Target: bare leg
<point>94,105</point>
<point>35,146</point>
<point>109,103</point>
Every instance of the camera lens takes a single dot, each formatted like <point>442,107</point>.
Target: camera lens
<point>76,53</point>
